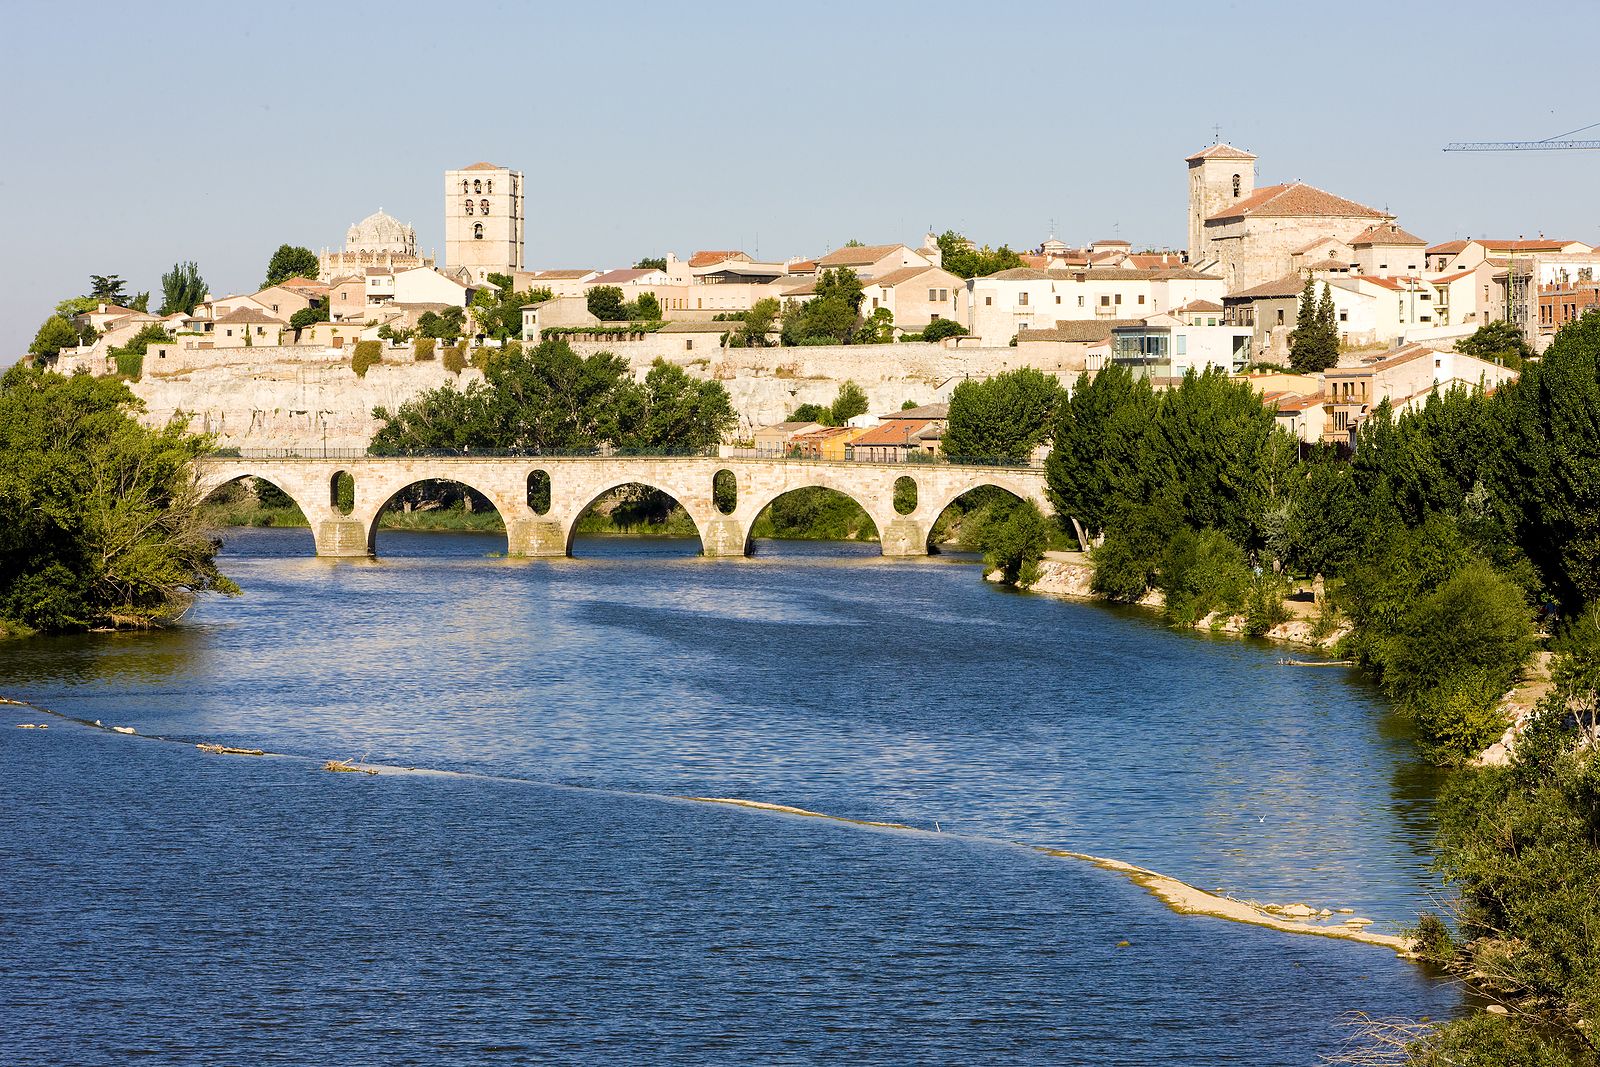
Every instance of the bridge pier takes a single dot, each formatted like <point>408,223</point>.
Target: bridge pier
<point>903,536</point>
<point>341,538</point>
<point>724,537</point>
<point>536,537</point>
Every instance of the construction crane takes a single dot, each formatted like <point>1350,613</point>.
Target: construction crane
<point>1561,142</point>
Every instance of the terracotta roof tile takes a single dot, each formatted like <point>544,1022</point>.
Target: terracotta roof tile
<point>483,166</point>
<point>706,259</point>
<point>856,255</point>
<point>1220,151</point>
<point>1288,285</point>
<point>1079,331</point>
<point>1297,200</point>
<point>1448,248</point>
<point>1385,233</point>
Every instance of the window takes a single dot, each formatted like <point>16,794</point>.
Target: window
<point>988,300</point>
<point>944,294</point>
<point>1237,184</point>
<point>1183,345</point>
<point>483,206</point>
<point>688,344</point>
<point>469,207</point>
<point>1383,266</point>
<point>477,186</point>
<point>477,231</point>
<point>1105,301</point>
<point>1141,298</point>
<point>1118,300</point>
<point>488,186</point>
<point>1080,301</point>
<point>464,185</point>
<point>1058,298</point>
<point>1022,299</point>
<point>1344,316</point>
<point>933,295</point>
<point>1280,316</point>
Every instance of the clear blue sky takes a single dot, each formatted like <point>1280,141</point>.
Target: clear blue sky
<point>136,135</point>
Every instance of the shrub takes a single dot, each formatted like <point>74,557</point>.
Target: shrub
<point>422,349</point>
<point>130,365</point>
<point>939,329</point>
<point>1475,622</point>
<point>1434,940</point>
<point>1201,572</point>
<point>1015,545</point>
<point>1264,605</point>
<point>367,354</point>
<point>1459,718</point>
<point>455,357</point>
<point>1128,560</point>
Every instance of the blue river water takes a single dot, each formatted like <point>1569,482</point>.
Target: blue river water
<point>554,899</point>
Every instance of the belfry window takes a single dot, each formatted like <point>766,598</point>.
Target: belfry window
<point>488,185</point>
<point>483,207</point>
<point>477,186</point>
<point>1236,185</point>
<point>477,231</point>
<point>464,185</point>
<point>469,206</point>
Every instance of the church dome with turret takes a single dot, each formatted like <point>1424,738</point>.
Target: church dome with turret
<point>379,232</point>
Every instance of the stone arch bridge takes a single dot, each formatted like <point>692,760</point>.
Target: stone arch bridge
<point>577,482</point>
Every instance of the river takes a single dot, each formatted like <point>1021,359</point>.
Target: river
<point>554,900</point>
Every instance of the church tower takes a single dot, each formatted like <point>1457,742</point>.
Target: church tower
<point>1219,176</point>
<point>483,219</point>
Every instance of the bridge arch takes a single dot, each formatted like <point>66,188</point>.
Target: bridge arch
<point>760,506</point>
<point>592,494</point>
<point>936,504</point>
<point>391,491</point>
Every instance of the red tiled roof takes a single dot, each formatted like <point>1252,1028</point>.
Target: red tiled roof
<point>904,274</point>
<point>483,166</point>
<point>1297,200</point>
<point>1200,305</point>
<point>249,314</point>
<point>1288,285</point>
<point>1448,248</point>
<point>1385,233</point>
<point>1219,151</point>
<point>897,433</point>
<point>856,255</point>
<point>622,277</point>
<point>706,259</point>
<point>1526,246</point>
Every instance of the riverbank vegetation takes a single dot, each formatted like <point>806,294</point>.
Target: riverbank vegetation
<point>103,526</point>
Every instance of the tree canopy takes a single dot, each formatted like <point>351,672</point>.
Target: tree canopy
<point>829,317</point>
<point>958,256</point>
<point>103,526</point>
<point>1314,341</point>
<point>291,261</point>
<point>547,398</point>
<point>182,288</point>
<point>1498,342</point>
<point>1003,417</point>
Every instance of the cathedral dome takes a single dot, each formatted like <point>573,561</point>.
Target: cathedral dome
<point>379,232</point>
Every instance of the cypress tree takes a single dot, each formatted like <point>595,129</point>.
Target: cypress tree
<point>1327,330</point>
<point>1302,339</point>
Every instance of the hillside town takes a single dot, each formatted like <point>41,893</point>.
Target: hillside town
<point>1262,267</point>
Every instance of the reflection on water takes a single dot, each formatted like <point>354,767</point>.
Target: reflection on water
<point>819,676</point>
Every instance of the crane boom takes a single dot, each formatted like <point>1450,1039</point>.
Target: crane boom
<point>1518,146</point>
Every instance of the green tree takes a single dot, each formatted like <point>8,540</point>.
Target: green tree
<point>139,343</point>
<point>55,334</point>
<point>850,402</point>
<point>1015,545</point>
<point>878,329</point>
<point>547,398</point>
<point>309,316</point>
<point>442,326</point>
<point>1003,417</point>
<point>367,354</point>
<point>182,288</point>
<point>829,317</point>
<point>103,524</point>
<point>671,411</point>
<point>958,256</point>
<point>1545,466</point>
<point>651,263</point>
<point>1095,466</point>
<point>646,308</point>
<point>1314,341</point>
<point>1499,341</point>
<point>757,323</point>
<point>939,329</point>
<point>106,289</point>
<point>605,303</point>
<point>291,261</point>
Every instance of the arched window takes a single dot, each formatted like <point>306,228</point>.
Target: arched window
<point>469,205</point>
<point>463,185</point>
<point>1236,185</point>
<point>483,206</point>
<point>488,185</point>
<point>477,186</point>
<point>477,231</point>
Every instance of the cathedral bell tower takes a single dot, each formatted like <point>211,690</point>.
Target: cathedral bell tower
<point>483,219</point>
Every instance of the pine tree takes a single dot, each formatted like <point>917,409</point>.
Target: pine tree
<point>1302,339</point>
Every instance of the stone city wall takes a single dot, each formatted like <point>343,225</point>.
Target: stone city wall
<point>301,396</point>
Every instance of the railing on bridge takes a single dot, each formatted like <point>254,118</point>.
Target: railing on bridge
<point>912,459</point>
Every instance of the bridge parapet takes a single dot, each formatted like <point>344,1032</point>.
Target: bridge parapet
<point>576,482</point>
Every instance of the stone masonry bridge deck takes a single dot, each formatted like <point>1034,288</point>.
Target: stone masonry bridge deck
<point>577,482</point>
